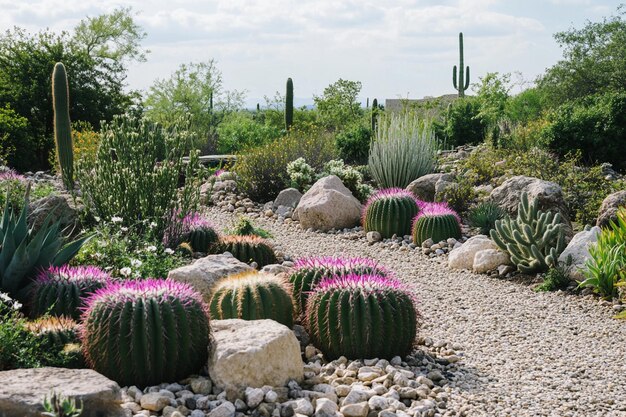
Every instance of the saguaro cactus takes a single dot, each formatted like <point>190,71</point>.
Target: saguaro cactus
<point>374,114</point>
<point>289,104</point>
<point>463,83</point>
<point>62,127</point>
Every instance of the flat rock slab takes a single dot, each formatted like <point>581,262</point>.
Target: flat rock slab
<point>22,391</point>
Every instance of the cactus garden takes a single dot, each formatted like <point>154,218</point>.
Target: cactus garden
<point>173,247</point>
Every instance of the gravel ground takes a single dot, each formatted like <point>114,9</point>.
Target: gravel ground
<point>524,353</point>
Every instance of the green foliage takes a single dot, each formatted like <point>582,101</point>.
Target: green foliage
<point>350,176</point>
<point>238,132</point>
<point>437,227</point>
<point>15,188</point>
<point>458,195</point>
<point>145,332</point>
<point>289,105</point>
<point>252,296</point>
<point>59,406</point>
<point>24,251</point>
<point>248,249</point>
<point>595,125</point>
<point>301,174</point>
<point>555,279</point>
<point>484,215</point>
<point>534,239</point>
<point>135,175</point>
<point>463,84</point>
<point>462,124</point>
<point>362,317</point>
<point>14,136</point>
<point>263,170</point>
<point>404,149</point>
<point>244,227</point>
<point>390,212</point>
<point>525,106</point>
<point>62,125</point>
<point>353,143</point>
<point>492,96</point>
<point>338,106</point>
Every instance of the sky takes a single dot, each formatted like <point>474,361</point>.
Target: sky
<point>396,48</point>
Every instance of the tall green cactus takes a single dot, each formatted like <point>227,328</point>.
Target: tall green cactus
<point>390,212</point>
<point>463,83</point>
<point>362,317</point>
<point>534,239</point>
<point>289,105</point>
<point>374,114</point>
<point>252,296</point>
<point>144,332</point>
<point>62,126</point>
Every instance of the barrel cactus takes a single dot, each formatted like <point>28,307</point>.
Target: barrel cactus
<point>252,296</point>
<point>54,332</point>
<point>249,249</point>
<point>362,317</point>
<point>61,291</point>
<point>144,332</point>
<point>310,271</point>
<point>193,229</point>
<point>390,212</point>
<point>436,221</point>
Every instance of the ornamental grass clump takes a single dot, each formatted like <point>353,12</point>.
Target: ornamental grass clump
<point>252,296</point>
<point>193,229</point>
<point>436,221</point>
<point>390,212</point>
<point>362,317</point>
<point>484,216</point>
<point>249,249</point>
<point>61,291</point>
<point>145,332</point>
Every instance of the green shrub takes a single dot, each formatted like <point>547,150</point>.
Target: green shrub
<point>555,279</point>
<point>136,173</point>
<point>301,174</point>
<point>14,186</point>
<point>238,131</point>
<point>263,170</point>
<point>484,215</point>
<point>458,195</point>
<point>462,123</point>
<point>17,145</point>
<point>354,144</point>
<point>244,227</point>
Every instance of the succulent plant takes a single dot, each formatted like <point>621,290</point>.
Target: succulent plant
<point>362,317</point>
<point>61,291</point>
<point>289,105</point>
<point>309,272</point>
<point>54,332</point>
<point>463,83</point>
<point>534,239</point>
<point>194,229</point>
<point>484,216</point>
<point>390,212</point>
<point>62,127</point>
<point>249,249</point>
<point>252,296</point>
<point>144,332</point>
<point>436,221</point>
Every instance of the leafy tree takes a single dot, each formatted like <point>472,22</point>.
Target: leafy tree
<point>14,130</point>
<point>338,107</point>
<point>526,106</point>
<point>463,123</point>
<point>492,95</point>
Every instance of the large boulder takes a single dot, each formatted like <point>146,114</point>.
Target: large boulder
<point>23,390</point>
<point>328,205</point>
<point>578,251</point>
<point>425,187</point>
<point>608,209</point>
<point>205,272</point>
<point>489,260</point>
<point>289,197</point>
<point>463,256</point>
<point>254,353</point>
<point>58,207</point>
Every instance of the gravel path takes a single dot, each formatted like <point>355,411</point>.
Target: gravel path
<point>525,353</point>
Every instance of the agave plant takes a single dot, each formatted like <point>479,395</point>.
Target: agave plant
<point>24,251</point>
<point>484,216</point>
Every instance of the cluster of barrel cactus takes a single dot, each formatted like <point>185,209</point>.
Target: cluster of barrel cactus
<point>390,212</point>
<point>61,291</point>
<point>195,230</point>
<point>252,296</point>
<point>144,332</point>
<point>249,249</point>
<point>436,221</point>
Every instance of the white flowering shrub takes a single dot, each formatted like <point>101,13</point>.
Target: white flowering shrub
<point>301,174</point>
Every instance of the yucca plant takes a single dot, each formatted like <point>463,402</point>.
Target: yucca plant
<point>145,332</point>
<point>436,221</point>
<point>252,296</point>
<point>484,215</point>
<point>61,291</point>
<point>249,249</point>
<point>390,212</point>
<point>308,272</point>
<point>24,251</point>
<point>362,317</point>
<point>404,149</point>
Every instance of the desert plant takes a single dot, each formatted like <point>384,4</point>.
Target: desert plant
<point>24,251</point>
<point>61,291</point>
<point>390,212</point>
<point>62,126</point>
<point>54,332</point>
<point>463,84</point>
<point>301,174</point>
<point>194,229</point>
<point>557,278</point>
<point>484,215</point>
<point>309,272</point>
<point>289,105</point>
<point>362,316</point>
<point>534,239</point>
<point>403,150</point>
<point>353,143</point>
<point>244,227</point>
<point>252,296</point>
<point>249,249</point>
<point>143,332</point>
<point>59,406</point>
<point>436,221</point>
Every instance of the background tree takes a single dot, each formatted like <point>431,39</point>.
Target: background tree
<point>338,107</point>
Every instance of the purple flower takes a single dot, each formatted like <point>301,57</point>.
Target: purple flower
<point>437,209</point>
<point>68,273</point>
<point>180,227</point>
<point>341,266</point>
<point>11,175</point>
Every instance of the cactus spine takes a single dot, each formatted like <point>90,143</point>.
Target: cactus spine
<point>534,239</point>
<point>463,83</point>
<point>362,317</point>
<point>390,212</point>
<point>436,221</point>
<point>289,105</point>
<point>54,332</point>
<point>252,296</point>
<point>145,332</point>
<point>62,126</point>
<point>374,114</point>
<point>249,249</point>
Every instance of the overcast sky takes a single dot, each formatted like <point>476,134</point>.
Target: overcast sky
<point>396,48</point>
